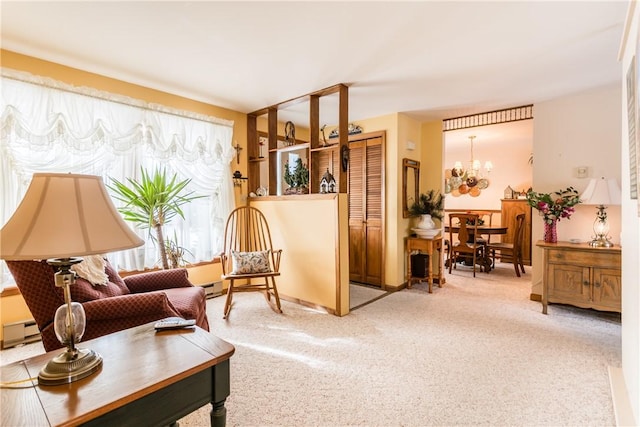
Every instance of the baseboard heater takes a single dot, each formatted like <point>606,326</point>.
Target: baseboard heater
<point>213,289</point>
<point>17,333</point>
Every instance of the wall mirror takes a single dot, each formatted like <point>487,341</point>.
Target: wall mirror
<point>410,184</point>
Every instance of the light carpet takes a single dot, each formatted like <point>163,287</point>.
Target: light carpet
<point>361,295</point>
<point>474,352</point>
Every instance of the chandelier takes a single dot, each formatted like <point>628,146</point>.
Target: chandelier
<point>469,181</point>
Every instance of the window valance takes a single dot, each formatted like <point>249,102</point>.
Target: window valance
<point>49,126</point>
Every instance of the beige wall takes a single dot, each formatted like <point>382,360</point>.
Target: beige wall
<point>578,130</point>
<point>507,145</point>
<point>432,157</point>
<point>630,235</point>
<point>12,309</point>
<point>313,235</point>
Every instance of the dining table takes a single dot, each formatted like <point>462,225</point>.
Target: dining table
<point>482,230</point>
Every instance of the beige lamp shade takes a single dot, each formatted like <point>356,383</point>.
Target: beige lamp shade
<point>62,216</point>
<point>601,191</point>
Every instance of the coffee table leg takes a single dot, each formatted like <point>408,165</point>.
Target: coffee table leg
<point>220,392</point>
<point>218,414</point>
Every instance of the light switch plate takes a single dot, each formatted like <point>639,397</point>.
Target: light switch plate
<point>582,171</point>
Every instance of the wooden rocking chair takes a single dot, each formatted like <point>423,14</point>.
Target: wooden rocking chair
<point>249,254</point>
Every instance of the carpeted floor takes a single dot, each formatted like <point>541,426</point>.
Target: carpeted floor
<point>474,352</point>
<point>361,295</point>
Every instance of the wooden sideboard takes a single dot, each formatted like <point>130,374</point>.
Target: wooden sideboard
<point>510,209</point>
<point>581,275</point>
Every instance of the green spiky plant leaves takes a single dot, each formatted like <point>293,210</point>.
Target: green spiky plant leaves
<point>153,201</point>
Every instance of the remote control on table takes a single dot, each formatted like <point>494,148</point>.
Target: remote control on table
<point>174,323</point>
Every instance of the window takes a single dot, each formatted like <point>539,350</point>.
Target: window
<point>52,127</point>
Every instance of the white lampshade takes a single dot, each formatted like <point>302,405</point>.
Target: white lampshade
<point>601,191</point>
<point>63,216</point>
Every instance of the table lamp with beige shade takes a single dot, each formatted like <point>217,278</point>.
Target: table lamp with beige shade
<point>63,217</point>
<point>601,192</point>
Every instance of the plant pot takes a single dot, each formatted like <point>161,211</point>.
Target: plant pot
<point>426,222</point>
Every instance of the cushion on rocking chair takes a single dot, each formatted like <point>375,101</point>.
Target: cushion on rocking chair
<point>250,262</point>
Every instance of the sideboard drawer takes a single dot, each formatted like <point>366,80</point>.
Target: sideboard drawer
<point>590,259</point>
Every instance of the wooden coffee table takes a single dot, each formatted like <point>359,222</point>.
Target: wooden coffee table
<point>147,378</point>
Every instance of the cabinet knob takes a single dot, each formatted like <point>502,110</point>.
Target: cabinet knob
<point>586,283</point>
<point>596,284</point>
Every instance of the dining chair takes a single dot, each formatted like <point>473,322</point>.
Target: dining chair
<point>487,219</point>
<point>465,245</point>
<point>513,250</point>
<point>249,255</point>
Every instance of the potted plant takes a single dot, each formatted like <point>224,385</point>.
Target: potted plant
<point>297,179</point>
<point>152,202</point>
<point>176,254</point>
<point>429,205</point>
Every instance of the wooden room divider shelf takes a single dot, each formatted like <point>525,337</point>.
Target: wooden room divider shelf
<point>320,156</point>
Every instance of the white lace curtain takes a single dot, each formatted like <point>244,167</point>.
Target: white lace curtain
<point>48,126</point>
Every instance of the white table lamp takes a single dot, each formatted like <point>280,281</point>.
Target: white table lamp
<point>601,192</point>
<point>63,216</point>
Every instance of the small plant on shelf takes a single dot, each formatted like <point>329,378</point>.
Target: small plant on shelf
<point>297,179</point>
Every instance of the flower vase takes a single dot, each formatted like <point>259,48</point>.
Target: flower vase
<point>550,232</point>
<point>426,222</point>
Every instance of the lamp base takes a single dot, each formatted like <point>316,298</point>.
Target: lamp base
<point>601,242</point>
<point>70,366</point>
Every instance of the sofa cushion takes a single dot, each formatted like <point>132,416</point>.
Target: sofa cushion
<point>84,291</point>
<point>92,269</point>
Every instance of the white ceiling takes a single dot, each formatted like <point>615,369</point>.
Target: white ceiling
<point>429,59</point>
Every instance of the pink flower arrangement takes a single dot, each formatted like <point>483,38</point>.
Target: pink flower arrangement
<point>554,206</point>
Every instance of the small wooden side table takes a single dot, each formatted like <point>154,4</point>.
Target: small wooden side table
<point>429,247</point>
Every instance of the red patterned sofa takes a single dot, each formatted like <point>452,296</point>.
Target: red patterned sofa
<point>122,304</point>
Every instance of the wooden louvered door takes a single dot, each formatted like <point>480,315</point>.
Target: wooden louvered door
<point>366,210</point>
